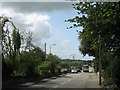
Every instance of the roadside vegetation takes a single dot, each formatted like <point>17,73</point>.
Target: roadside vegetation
<point>23,60</point>
<point>100,36</point>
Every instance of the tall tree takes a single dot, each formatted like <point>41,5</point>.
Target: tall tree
<point>98,19</point>
<point>101,26</point>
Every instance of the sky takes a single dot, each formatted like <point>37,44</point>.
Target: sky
<point>46,20</point>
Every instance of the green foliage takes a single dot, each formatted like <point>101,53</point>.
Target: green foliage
<point>107,73</point>
<point>6,70</point>
<point>101,27</point>
<point>107,76</point>
<point>54,66</point>
<point>31,60</point>
<point>116,71</point>
<point>22,58</point>
<point>34,63</point>
<point>96,64</point>
<point>97,19</point>
<point>45,65</point>
<point>77,64</point>
<point>10,46</point>
<point>68,64</point>
<point>65,64</point>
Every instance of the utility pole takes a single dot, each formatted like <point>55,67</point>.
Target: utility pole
<point>73,57</point>
<point>51,47</point>
<point>100,62</point>
<point>45,51</point>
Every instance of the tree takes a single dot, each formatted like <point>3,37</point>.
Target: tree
<point>16,39</point>
<point>27,40</point>
<point>20,57</point>
<point>31,60</point>
<point>11,47</point>
<point>8,52</point>
<point>116,71</point>
<point>43,69</point>
<point>101,26</point>
<point>54,66</point>
<point>97,20</point>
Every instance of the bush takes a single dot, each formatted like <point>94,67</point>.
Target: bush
<point>95,65</point>
<point>7,70</point>
<point>116,72</point>
<point>107,76</point>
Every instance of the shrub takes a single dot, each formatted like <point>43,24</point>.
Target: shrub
<point>7,70</point>
<point>116,72</point>
<point>107,76</point>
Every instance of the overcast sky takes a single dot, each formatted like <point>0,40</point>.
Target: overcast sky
<point>46,21</point>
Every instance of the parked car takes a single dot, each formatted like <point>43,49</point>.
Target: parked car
<point>64,70</point>
<point>74,71</point>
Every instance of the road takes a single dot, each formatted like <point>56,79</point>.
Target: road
<point>75,80</point>
<point>67,81</point>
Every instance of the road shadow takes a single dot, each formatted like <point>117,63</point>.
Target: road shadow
<point>64,76</point>
<point>24,88</point>
<point>67,77</point>
<point>21,83</point>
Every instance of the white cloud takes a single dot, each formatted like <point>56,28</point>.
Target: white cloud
<point>66,42</point>
<point>28,16</point>
<point>28,7</point>
<point>61,1</point>
<point>34,1</point>
<point>38,24</point>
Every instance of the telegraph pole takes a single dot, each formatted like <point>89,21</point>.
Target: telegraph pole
<point>100,62</point>
<point>73,57</point>
<point>45,51</point>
